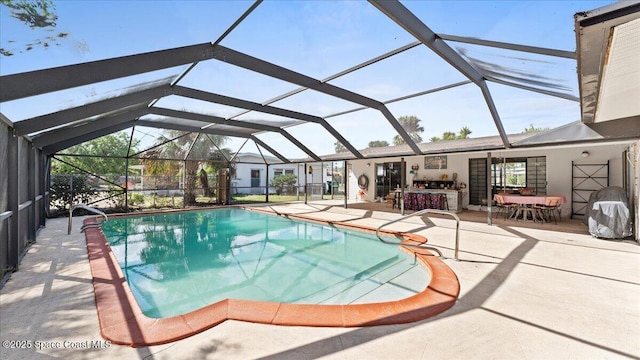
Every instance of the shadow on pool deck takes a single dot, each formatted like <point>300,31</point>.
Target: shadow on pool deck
<point>527,291</point>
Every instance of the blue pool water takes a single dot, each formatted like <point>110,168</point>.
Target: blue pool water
<point>178,262</point>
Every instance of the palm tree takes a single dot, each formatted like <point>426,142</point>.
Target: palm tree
<point>378,143</point>
<point>464,133</point>
<point>207,155</point>
<point>171,238</point>
<point>450,135</point>
<point>411,124</point>
<point>196,151</point>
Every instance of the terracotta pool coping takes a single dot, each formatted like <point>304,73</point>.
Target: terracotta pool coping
<point>123,322</point>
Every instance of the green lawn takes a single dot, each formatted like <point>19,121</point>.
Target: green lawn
<point>263,198</point>
<point>176,202</point>
<point>245,199</point>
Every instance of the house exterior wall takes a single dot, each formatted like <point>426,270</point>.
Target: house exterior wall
<point>559,167</point>
<point>241,182</point>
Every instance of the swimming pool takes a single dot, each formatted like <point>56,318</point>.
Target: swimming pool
<point>178,262</point>
<point>123,320</point>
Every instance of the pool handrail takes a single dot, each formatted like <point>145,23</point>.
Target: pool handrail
<point>88,208</point>
<point>418,213</point>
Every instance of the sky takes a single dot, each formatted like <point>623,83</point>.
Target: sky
<point>317,39</point>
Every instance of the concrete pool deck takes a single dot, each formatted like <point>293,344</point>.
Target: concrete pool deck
<point>528,291</point>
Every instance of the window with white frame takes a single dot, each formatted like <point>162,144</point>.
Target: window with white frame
<point>278,172</point>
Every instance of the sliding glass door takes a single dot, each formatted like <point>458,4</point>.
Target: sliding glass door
<point>388,177</point>
<point>510,174</point>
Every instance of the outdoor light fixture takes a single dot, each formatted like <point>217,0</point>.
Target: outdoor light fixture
<point>585,154</point>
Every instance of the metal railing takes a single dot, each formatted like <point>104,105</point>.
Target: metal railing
<point>418,213</point>
<point>88,208</point>
<point>6,215</point>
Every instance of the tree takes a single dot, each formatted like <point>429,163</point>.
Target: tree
<point>378,143</point>
<point>339,147</point>
<point>449,135</point>
<point>532,129</point>
<point>195,151</point>
<point>93,159</point>
<point>37,14</point>
<point>464,133</point>
<point>68,190</point>
<point>204,182</point>
<point>411,124</point>
<point>171,239</point>
<point>284,183</point>
<point>73,179</point>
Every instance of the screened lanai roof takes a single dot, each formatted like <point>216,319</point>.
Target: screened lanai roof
<point>292,79</point>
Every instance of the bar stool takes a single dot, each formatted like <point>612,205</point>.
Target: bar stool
<point>483,203</point>
<point>444,202</point>
<point>391,200</point>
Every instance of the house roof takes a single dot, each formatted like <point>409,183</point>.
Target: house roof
<point>572,133</point>
<point>249,158</point>
<point>438,147</point>
<point>609,73</point>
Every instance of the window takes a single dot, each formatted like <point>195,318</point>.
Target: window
<point>508,174</point>
<point>517,173</point>
<point>537,174</point>
<point>278,172</point>
<point>477,181</point>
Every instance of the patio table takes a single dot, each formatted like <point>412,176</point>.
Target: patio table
<point>531,199</point>
<point>525,203</point>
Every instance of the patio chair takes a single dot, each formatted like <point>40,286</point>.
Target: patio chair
<point>391,200</point>
<point>549,210</point>
<point>507,208</point>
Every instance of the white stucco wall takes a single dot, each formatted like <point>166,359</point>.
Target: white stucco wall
<point>241,183</point>
<point>242,179</point>
<point>559,167</point>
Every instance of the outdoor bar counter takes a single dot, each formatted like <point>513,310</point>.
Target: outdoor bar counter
<point>440,199</point>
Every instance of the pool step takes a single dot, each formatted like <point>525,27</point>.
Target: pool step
<point>352,289</point>
<point>407,283</point>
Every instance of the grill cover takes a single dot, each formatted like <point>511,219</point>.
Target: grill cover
<point>607,213</point>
